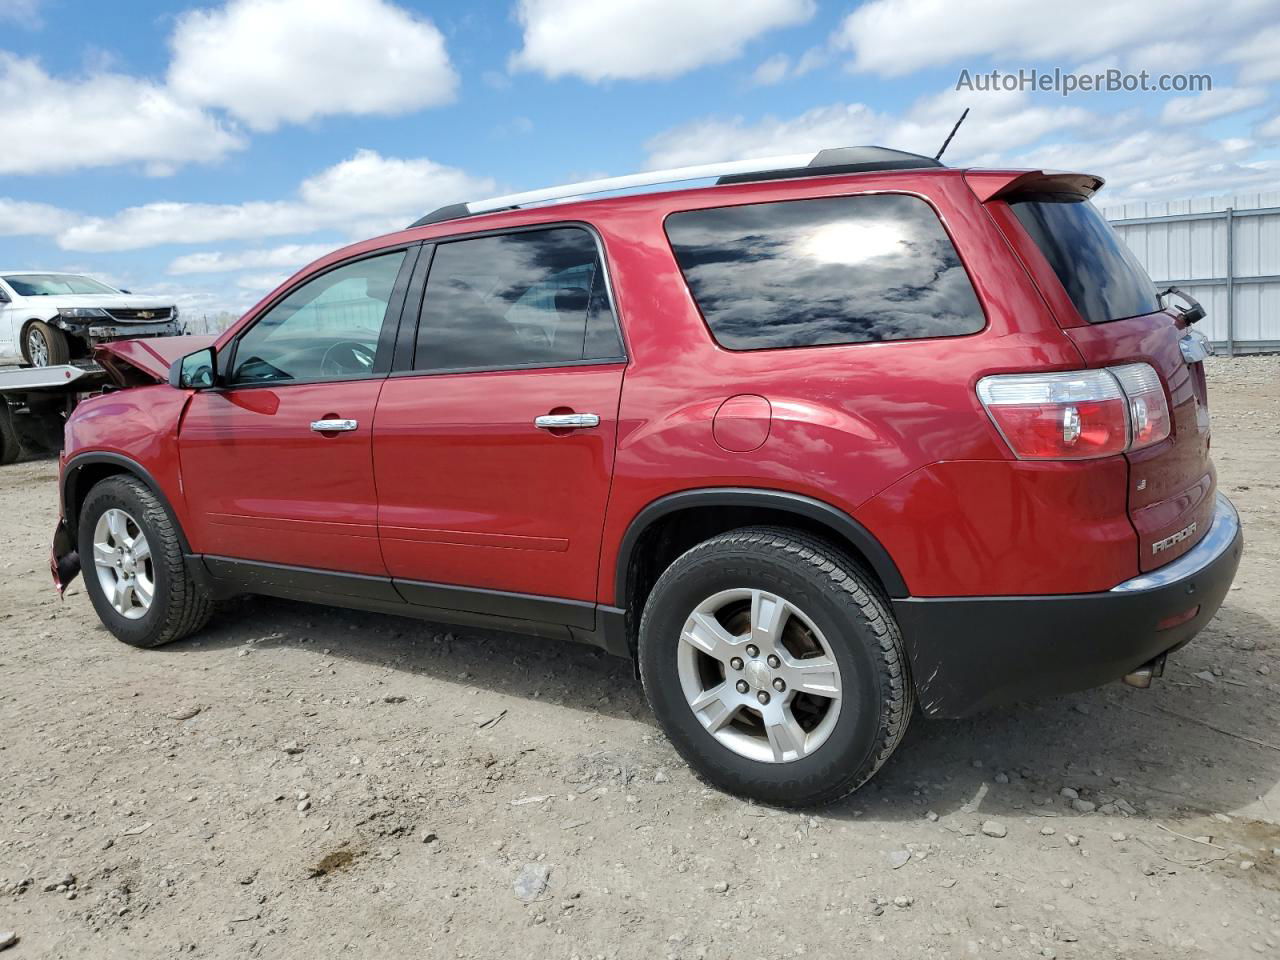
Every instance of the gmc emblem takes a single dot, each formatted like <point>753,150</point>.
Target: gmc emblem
<point>1178,537</point>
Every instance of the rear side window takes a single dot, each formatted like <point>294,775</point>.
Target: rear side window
<point>833,270</point>
<point>532,298</point>
<point>1101,275</point>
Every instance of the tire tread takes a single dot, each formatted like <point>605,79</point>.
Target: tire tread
<point>189,606</point>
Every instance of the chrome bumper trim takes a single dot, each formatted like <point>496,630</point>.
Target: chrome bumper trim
<point>1222,534</point>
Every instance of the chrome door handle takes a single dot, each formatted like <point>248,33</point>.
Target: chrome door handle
<point>333,426</point>
<point>566,421</point>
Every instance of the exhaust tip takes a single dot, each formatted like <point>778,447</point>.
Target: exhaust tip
<point>1141,677</point>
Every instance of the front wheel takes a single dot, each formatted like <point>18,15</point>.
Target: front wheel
<point>46,346</point>
<point>775,666</point>
<point>134,569</point>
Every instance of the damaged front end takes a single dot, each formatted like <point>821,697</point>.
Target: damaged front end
<point>125,364</point>
<point>88,328</point>
<point>64,560</point>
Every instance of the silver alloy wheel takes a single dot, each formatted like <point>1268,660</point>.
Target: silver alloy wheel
<point>37,349</point>
<point>122,557</point>
<point>759,675</point>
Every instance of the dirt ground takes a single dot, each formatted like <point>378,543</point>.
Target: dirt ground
<point>304,782</point>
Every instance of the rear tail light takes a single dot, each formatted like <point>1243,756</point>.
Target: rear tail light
<point>1077,415</point>
<point>1148,411</point>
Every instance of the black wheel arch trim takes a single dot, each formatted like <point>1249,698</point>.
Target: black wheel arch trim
<point>836,519</point>
<point>68,488</point>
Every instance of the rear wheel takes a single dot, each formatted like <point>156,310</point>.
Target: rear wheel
<point>134,569</point>
<point>775,666</point>
<point>45,346</point>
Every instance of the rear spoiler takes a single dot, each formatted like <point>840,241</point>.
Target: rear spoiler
<point>1001,184</point>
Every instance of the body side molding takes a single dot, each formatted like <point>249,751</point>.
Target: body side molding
<point>540,616</point>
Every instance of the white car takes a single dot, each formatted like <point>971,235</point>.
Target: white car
<point>48,319</point>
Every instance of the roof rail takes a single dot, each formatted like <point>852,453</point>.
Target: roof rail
<point>824,162</point>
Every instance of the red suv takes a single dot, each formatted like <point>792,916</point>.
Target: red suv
<point>812,444</point>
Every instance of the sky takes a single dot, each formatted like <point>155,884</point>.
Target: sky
<point>208,152</point>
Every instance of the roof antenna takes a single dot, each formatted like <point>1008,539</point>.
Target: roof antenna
<point>947,142</point>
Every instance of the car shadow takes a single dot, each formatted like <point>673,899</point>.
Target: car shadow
<point>1154,753</point>
<point>572,675</point>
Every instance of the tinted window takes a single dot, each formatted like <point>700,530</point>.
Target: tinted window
<point>1101,275</point>
<point>536,297</point>
<point>327,328</point>
<point>832,270</point>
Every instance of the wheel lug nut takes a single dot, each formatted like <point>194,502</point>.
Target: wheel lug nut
<point>736,663</point>
<point>774,661</point>
<point>753,650</point>
<point>762,696</point>
<point>779,684</point>
<point>743,687</point>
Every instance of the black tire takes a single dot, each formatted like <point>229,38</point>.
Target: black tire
<point>10,445</point>
<point>57,348</point>
<point>847,606</point>
<point>179,606</point>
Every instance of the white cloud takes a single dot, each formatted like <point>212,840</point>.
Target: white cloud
<point>1211,104</point>
<point>19,218</point>
<point>1141,166</point>
<point>896,37</point>
<point>106,118</point>
<point>1270,129</point>
<point>1258,57</point>
<point>811,60</point>
<point>365,195</point>
<point>290,256</point>
<point>771,71</point>
<point>643,38</point>
<point>260,284</point>
<point>1006,130</point>
<point>287,61</point>
<point>25,13</point>
<point>1006,121</point>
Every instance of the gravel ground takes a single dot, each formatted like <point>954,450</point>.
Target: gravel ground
<point>302,782</point>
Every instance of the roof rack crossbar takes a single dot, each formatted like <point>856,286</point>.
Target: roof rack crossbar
<point>840,160</point>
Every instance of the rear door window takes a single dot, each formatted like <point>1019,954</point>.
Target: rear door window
<point>832,270</point>
<point>1101,275</point>
<point>530,298</point>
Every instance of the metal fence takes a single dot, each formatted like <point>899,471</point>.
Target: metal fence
<point>1224,251</point>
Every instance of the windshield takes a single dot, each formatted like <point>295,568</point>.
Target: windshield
<point>54,285</point>
<point>1101,275</point>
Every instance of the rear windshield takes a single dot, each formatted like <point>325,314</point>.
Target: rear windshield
<point>1101,275</point>
<point>800,273</point>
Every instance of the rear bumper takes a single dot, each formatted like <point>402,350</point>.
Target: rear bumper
<point>971,653</point>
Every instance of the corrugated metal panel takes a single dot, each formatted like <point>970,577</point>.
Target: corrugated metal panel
<point>1196,248</point>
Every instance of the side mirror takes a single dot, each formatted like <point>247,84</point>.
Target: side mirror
<point>4,297</point>
<point>195,371</point>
